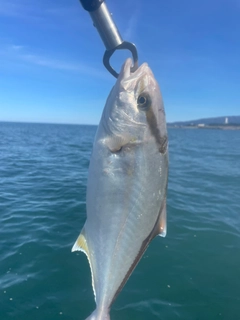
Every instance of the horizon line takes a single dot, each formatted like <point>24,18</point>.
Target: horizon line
<point>58,123</point>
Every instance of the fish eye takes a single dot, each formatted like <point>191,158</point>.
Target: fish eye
<point>144,101</point>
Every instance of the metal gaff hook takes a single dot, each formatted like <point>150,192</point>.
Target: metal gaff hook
<point>109,33</point>
<point>124,45</point>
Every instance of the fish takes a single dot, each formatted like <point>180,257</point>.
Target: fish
<point>127,184</point>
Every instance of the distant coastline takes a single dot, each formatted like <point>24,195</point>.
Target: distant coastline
<point>215,127</point>
<point>220,123</point>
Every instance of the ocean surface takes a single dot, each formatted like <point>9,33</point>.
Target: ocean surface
<point>193,273</point>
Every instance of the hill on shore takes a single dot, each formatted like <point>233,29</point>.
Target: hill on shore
<point>230,120</point>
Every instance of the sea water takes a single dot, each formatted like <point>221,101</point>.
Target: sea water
<point>193,273</point>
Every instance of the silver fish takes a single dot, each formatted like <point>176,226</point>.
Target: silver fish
<point>127,182</point>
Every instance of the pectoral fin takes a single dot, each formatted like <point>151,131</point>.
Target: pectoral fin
<point>115,143</point>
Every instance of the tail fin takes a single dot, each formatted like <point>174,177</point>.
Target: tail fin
<point>102,315</point>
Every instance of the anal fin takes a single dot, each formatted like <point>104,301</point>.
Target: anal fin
<point>161,225</point>
<point>82,245</point>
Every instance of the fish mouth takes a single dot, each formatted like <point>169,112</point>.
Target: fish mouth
<point>128,80</point>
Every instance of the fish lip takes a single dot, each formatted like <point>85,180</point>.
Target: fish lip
<point>127,76</point>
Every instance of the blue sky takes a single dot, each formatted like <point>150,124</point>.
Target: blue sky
<point>51,57</point>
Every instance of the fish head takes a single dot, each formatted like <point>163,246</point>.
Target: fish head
<point>134,108</point>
